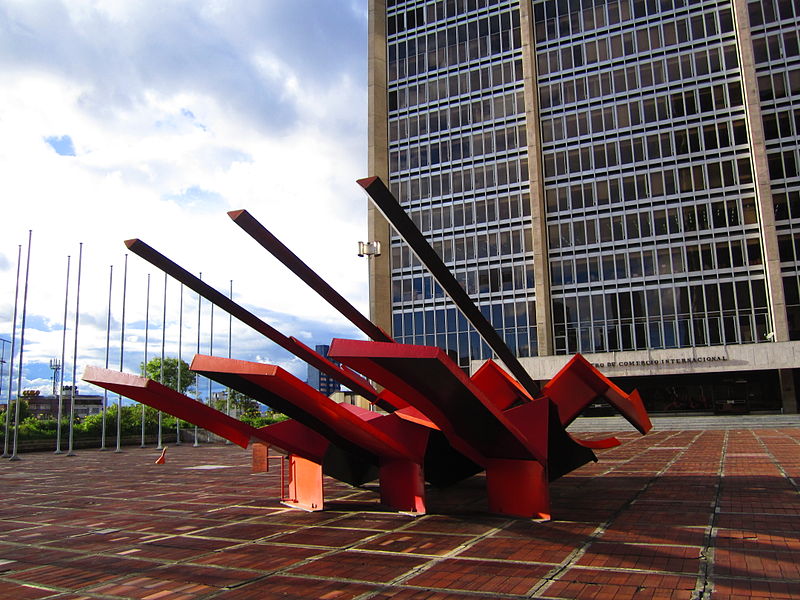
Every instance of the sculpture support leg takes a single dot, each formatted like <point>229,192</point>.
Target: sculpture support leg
<point>305,484</point>
<point>402,486</point>
<point>260,462</point>
<point>518,488</point>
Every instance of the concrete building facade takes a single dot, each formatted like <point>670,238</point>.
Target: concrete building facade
<point>618,178</point>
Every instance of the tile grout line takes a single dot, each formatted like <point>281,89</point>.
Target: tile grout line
<point>550,578</point>
<point>777,463</point>
<point>432,562</point>
<point>705,581</point>
<point>285,571</point>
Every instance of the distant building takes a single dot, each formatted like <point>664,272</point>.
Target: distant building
<point>46,406</point>
<point>353,398</point>
<point>318,380</point>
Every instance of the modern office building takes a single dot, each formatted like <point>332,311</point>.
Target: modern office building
<point>317,379</point>
<point>617,178</point>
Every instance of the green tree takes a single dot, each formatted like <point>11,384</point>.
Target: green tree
<point>24,411</point>
<point>152,370</point>
<point>245,405</point>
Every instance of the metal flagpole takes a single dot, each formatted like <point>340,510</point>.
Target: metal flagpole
<point>210,353</point>
<point>146,341</point>
<point>13,350</point>
<point>196,376</point>
<point>230,329</point>
<point>14,455</point>
<point>163,342</point>
<point>108,348</point>
<point>121,354</point>
<point>3,343</point>
<point>180,363</point>
<point>63,355</point>
<point>70,451</point>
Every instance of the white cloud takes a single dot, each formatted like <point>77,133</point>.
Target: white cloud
<point>178,113</point>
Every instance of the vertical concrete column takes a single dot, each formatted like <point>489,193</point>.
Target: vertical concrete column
<point>541,270</point>
<point>758,153</point>
<point>788,392</point>
<point>380,285</point>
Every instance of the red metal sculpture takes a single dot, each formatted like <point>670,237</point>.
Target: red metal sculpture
<point>440,425</point>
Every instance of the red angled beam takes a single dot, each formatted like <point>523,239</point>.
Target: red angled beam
<point>385,201</point>
<point>153,394</point>
<point>578,384</point>
<point>316,360</point>
<point>431,382</point>
<point>275,247</point>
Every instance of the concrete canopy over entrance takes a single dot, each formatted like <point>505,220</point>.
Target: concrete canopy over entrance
<point>782,357</point>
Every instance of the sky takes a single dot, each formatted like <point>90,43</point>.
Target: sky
<point>152,120</point>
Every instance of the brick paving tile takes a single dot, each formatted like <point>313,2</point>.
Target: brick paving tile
<point>580,584</point>
<point>378,521</point>
<point>481,576</point>
<point>296,588</point>
<point>92,541</point>
<point>416,594</point>
<point>360,566</point>
<point>7,527</point>
<point>242,531</point>
<point>175,548</point>
<point>299,517</point>
<point>759,523</point>
<point>409,542</point>
<point>42,534</point>
<point>228,514</point>
<point>511,549</point>
<point>262,557</point>
<point>18,558</point>
<point>161,525</point>
<point>147,588</point>
<point>553,531</point>
<point>744,589</point>
<point>762,564</point>
<point>15,591</point>
<point>640,516</point>
<point>71,596</point>
<point>62,576</point>
<point>672,559</point>
<point>751,540</point>
<point>323,536</point>
<point>207,575</point>
<point>116,565</point>
<point>655,534</point>
<point>449,524</point>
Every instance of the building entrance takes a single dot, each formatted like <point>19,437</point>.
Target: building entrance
<point>732,392</point>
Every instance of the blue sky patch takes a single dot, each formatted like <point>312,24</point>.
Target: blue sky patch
<point>62,145</point>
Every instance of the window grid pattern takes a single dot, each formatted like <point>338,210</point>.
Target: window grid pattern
<point>458,165</point>
<point>653,232</point>
<point>776,50</point>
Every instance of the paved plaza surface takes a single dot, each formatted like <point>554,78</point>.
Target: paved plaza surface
<point>693,512</point>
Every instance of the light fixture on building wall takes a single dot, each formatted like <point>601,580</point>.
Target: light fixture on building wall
<point>369,249</point>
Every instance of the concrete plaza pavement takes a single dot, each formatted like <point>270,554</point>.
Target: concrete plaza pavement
<point>694,509</point>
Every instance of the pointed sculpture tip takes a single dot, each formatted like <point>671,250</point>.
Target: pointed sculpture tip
<point>367,181</point>
<point>130,243</point>
<point>235,214</point>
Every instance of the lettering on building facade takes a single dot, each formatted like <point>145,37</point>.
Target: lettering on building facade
<point>661,361</point>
